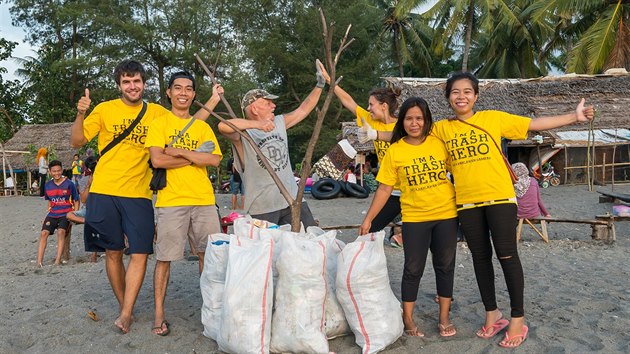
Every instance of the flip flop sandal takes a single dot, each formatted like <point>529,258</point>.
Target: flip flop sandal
<point>414,332</point>
<point>164,332</point>
<point>443,330</point>
<point>523,335</point>
<point>499,325</point>
<point>395,241</point>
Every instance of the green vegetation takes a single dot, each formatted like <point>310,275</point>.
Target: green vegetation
<point>273,45</point>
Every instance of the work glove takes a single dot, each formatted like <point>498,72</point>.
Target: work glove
<point>366,133</point>
<point>206,146</point>
<point>321,81</point>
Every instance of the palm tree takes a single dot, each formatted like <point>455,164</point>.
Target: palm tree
<point>407,33</point>
<point>457,21</point>
<point>599,29</point>
<point>515,48</point>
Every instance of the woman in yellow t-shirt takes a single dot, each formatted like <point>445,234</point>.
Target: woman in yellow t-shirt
<point>376,124</point>
<point>486,202</point>
<point>417,162</point>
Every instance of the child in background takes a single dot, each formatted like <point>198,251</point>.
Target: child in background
<point>78,216</point>
<point>62,198</point>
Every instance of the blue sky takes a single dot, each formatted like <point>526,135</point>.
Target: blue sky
<point>13,34</point>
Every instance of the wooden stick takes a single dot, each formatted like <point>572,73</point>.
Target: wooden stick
<point>321,114</point>
<point>535,229</point>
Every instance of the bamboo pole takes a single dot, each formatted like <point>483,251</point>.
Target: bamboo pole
<point>604,167</point>
<point>566,163</point>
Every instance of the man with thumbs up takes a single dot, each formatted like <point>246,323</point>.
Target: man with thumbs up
<point>119,204</point>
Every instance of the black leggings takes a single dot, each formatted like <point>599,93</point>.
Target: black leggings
<point>390,210</point>
<point>499,222</point>
<point>418,237</point>
<point>42,183</point>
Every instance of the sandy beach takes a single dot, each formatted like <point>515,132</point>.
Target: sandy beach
<point>576,290</point>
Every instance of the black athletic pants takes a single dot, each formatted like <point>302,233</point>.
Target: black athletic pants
<point>418,237</point>
<point>390,210</point>
<point>496,222</point>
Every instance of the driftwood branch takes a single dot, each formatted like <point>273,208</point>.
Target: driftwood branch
<point>321,114</point>
<point>214,82</point>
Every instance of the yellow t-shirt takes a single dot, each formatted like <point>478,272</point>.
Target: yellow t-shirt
<point>420,170</point>
<point>77,166</point>
<point>187,185</point>
<point>379,146</point>
<point>124,170</point>
<point>477,165</point>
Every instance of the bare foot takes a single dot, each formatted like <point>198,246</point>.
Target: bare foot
<point>123,324</point>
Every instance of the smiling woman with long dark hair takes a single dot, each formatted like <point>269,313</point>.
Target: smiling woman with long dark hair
<point>486,202</point>
<point>417,162</point>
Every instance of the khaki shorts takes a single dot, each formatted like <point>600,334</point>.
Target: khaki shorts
<point>175,225</point>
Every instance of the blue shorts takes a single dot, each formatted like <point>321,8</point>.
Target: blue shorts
<point>112,218</point>
<point>90,240</point>
<point>236,187</point>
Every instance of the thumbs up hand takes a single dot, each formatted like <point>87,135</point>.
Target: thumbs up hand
<point>366,133</point>
<point>84,102</point>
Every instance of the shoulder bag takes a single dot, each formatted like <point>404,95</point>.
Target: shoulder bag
<point>505,160</point>
<point>158,180</point>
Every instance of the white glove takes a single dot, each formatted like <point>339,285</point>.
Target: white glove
<point>206,146</point>
<point>366,133</point>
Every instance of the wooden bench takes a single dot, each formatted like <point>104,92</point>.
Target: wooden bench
<point>602,229</point>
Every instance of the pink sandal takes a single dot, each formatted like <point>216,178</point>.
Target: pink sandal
<point>499,325</point>
<point>504,342</point>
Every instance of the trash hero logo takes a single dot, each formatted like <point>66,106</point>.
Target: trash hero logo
<point>467,145</point>
<point>137,136</point>
<point>275,149</point>
<point>381,147</point>
<point>425,170</point>
<point>184,141</point>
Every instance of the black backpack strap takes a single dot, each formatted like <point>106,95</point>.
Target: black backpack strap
<point>127,131</point>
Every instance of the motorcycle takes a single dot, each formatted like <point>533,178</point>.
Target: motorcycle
<point>224,187</point>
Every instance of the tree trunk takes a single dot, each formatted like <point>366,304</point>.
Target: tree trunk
<point>470,14</point>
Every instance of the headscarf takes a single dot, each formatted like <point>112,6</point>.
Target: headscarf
<point>522,185</point>
<point>41,153</point>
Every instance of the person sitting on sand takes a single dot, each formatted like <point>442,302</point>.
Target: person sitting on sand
<point>62,198</point>
<point>527,194</point>
<point>78,216</point>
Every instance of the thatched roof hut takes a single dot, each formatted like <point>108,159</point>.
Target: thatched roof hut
<point>55,137</point>
<point>546,96</point>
